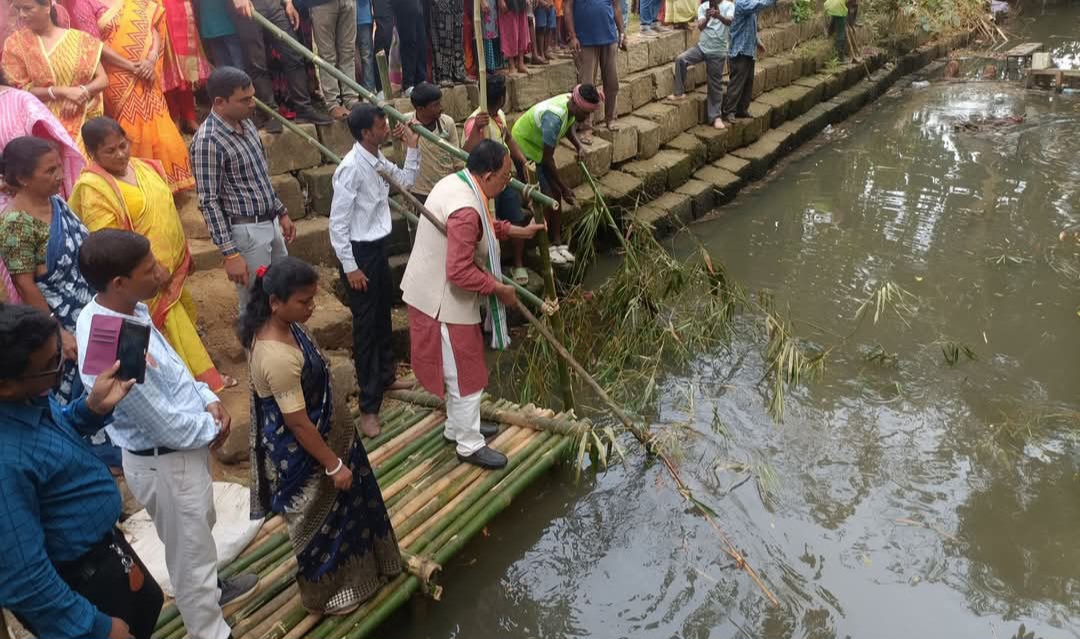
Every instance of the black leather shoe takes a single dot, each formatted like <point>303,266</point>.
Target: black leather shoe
<point>311,116</point>
<point>485,458</point>
<point>269,124</point>
<point>487,429</point>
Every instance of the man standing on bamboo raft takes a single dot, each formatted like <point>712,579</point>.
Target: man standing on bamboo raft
<point>448,277</point>
<point>360,227</point>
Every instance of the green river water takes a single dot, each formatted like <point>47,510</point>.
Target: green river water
<point>919,499</point>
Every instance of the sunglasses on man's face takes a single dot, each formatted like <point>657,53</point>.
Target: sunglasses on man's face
<point>53,372</point>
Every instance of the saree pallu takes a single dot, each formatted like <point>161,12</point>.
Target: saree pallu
<point>71,63</point>
<point>101,203</point>
<point>63,286</point>
<point>139,105</point>
<point>344,542</point>
<point>185,61</point>
<point>22,114</point>
<point>85,15</point>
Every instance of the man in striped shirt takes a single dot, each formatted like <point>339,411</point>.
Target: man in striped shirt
<point>247,220</point>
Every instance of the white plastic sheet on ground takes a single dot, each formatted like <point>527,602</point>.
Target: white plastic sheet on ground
<point>232,533</point>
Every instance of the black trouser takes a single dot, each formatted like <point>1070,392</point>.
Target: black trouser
<point>384,34</point>
<point>113,578</point>
<point>373,350</point>
<point>412,36</point>
<point>740,86</point>
<point>256,41</point>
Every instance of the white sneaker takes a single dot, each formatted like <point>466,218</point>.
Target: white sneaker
<point>564,250</point>
<point>555,255</point>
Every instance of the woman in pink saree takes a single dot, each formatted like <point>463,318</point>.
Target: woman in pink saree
<point>23,114</point>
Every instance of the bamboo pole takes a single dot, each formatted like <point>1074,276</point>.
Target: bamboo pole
<point>407,539</point>
<point>490,412</point>
<point>421,543</point>
<point>393,429</point>
<point>306,625</point>
<point>370,619</point>
<point>270,544</point>
<point>257,616</point>
<point>417,430</point>
<point>481,56</point>
<point>431,448</point>
<point>435,435</point>
<point>394,114</point>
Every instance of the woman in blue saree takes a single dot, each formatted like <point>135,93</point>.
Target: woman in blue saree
<point>39,243</point>
<point>307,463</point>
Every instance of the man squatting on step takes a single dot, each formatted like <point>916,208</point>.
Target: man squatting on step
<point>360,227</point>
<point>444,288</point>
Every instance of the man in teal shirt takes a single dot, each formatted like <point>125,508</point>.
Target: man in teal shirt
<point>714,18</point>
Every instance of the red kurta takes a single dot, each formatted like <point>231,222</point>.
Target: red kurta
<point>463,232</point>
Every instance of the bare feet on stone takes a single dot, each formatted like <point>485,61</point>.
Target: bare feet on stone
<point>674,97</point>
<point>370,425</point>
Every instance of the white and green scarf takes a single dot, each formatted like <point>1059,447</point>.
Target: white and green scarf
<point>495,321</point>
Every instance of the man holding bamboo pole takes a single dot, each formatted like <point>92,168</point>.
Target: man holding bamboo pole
<point>359,227</point>
<point>444,288</point>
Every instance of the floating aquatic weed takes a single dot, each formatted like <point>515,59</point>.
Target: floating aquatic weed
<point>952,351</point>
<point>888,296</point>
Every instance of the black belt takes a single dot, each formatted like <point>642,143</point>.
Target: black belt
<point>85,565</point>
<point>252,219</point>
<point>150,452</point>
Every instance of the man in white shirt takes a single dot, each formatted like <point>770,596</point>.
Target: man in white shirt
<point>166,427</point>
<point>359,227</point>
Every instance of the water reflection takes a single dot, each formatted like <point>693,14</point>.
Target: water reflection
<point>919,498</point>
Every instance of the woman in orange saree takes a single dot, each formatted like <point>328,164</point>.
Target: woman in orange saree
<point>135,29</point>
<point>120,191</point>
<point>60,67</point>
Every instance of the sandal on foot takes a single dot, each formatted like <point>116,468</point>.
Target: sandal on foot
<point>229,382</point>
<point>555,255</point>
<point>520,275</point>
<point>564,250</point>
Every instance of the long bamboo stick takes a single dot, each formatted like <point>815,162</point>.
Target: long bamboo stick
<point>394,114</point>
<point>435,435</point>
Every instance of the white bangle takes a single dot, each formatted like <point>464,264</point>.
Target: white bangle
<point>331,473</point>
<point>52,96</point>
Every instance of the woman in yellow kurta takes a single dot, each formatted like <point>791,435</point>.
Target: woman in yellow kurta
<point>60,67</point>
<point>119,191</point>
<point>135,30</point>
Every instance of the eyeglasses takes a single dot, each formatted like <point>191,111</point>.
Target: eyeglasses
<point>59,362</point>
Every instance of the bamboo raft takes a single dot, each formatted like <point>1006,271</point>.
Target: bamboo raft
<point>436,503</point>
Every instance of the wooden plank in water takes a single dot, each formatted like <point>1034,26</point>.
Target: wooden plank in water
<point>1024,50</point>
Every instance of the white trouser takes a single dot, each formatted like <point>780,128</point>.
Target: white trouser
<point>178,492</point>
<point>462,413</point>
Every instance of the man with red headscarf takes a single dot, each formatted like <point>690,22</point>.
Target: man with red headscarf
<point>538,132</point>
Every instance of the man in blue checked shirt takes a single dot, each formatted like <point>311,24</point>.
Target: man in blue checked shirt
<point>67,572</point>
<point>742,48</point>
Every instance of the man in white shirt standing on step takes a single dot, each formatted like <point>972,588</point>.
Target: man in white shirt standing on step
<point>360,225</point>
<point>166,427</point>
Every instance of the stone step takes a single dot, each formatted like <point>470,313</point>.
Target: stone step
<point>782,119</point>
